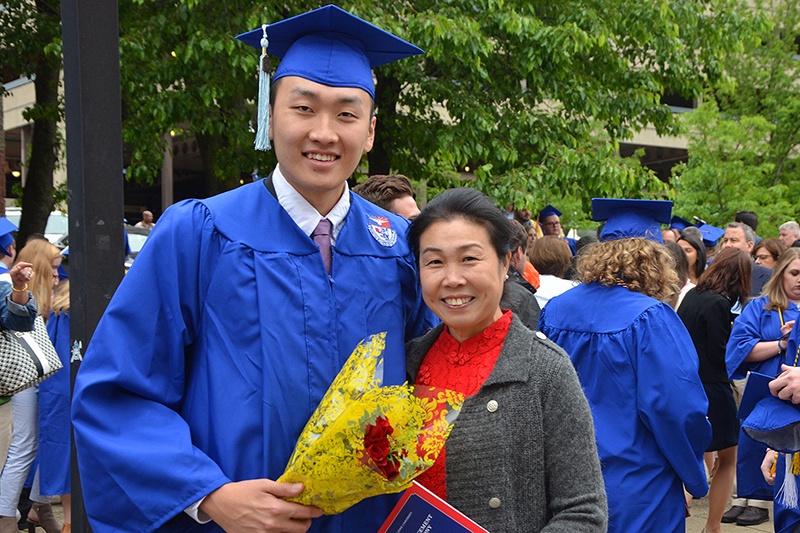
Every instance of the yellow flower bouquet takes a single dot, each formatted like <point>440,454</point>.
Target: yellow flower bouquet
<point>365,439</point>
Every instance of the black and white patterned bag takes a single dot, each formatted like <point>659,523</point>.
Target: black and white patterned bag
<point>26,358</point>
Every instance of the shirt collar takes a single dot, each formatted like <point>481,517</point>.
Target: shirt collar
<point>303,213</point>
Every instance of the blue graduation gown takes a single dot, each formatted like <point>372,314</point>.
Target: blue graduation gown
<point>218,346</point>
<point>755,324</point>
<point>572,243</point>
<point>54,429</point>
<point>786,518</point>
<point>639,370</point>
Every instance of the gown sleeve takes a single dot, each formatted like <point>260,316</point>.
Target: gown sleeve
<point>745,334</point>
<point>131,383</point>
<point>672,402</point>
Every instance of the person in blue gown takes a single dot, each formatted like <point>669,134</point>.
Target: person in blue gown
<point>233,321</point>
<point>757,344</point>
<point>638,367</point>
<point>786,387</point>
<point>7,247</point>
<point>549,219</point>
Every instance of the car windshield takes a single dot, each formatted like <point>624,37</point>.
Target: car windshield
<point>136,241</point>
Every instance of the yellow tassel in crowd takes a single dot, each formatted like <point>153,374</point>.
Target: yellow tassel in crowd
<point>365,439</point>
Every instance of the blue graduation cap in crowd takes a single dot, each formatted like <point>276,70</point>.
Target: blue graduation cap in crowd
<point>679,223</point>
<point>6,239</point>
<point>711,234</point>
<point>631,218</point>
<point>327,46</point>
<point>549,211</point>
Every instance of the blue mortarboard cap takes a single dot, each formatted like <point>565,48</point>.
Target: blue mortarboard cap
<point>711,234</point>
<point>549,211</point>
<point>65,251</point>
<point>776,423</point>
<point>332,47</point>
<point>62,273</point>
<point>6,240</point>
<point>679,223</point>
<point>631,218</point>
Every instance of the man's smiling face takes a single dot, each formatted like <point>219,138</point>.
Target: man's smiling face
<point>319,134</point>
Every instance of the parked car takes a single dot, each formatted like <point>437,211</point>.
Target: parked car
<point>57,224</point>
<point>136,240</point>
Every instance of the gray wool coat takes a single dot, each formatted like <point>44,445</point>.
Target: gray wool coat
<point>522,455</point>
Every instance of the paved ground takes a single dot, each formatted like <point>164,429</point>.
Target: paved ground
<point>699,510</point>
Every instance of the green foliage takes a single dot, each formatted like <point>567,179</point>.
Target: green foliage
<point>534,95</point>
<point>744,153</point>
<point>182,69</point>
<point>529,91</point>
<point>727,172</point>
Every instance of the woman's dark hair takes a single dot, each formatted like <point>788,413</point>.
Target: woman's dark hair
<point>468,204</point>
<point>681,262</point>
<point>699,247</point>
<point>728,275</point>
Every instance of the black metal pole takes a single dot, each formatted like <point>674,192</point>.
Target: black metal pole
<point>90,37</point>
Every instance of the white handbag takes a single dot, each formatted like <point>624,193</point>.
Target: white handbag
<point>26,358</point>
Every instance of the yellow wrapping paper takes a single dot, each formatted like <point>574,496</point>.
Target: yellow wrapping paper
<point>365,439</point>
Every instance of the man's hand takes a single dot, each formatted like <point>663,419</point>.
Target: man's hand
<point>766,466</point>
<point>256,506</point>
<point>787,385</point>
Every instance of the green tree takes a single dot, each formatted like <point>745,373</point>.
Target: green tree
<point>30,45</point>
<point>534,96</point>
<point>765,83</point>
<point>726,171</point>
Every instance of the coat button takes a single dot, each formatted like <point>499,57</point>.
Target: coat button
<point>492,407</point>
<point>541,335</point>
<point>494,503</point>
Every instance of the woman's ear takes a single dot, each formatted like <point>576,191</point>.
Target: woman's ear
<point>506,263</point>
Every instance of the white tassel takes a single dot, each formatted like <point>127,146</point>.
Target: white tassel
<point>262,132</point>
<point>787,495</point>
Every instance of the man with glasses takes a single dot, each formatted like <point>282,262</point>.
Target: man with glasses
<point>550,221</point>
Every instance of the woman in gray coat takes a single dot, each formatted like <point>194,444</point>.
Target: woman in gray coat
<point>522,455</point>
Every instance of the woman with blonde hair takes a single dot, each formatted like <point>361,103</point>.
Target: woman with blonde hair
<point>45,259</point>
<point>638,368</point>
<point>758,343</point>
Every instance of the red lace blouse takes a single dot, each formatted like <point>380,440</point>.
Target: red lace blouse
<point>463,368</point>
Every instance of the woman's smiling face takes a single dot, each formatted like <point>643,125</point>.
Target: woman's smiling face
<point>461,276</point>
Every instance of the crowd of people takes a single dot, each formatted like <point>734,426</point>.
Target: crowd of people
<point>601,375</point>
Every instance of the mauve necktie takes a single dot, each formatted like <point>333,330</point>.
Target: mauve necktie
<point>322,236</point>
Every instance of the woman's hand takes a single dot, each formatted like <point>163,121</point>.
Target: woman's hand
<point>787,328</point>
<point>20,274</point>
<point>766,466</point>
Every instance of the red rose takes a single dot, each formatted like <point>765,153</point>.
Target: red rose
<point>391,468</point>
<point>376,444</point>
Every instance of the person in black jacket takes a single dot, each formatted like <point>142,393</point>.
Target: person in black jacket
<point>706,312</point>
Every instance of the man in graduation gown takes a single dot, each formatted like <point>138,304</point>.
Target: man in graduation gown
<point>550,220</point>
<point>233,321</point>
<point>639,370</point>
